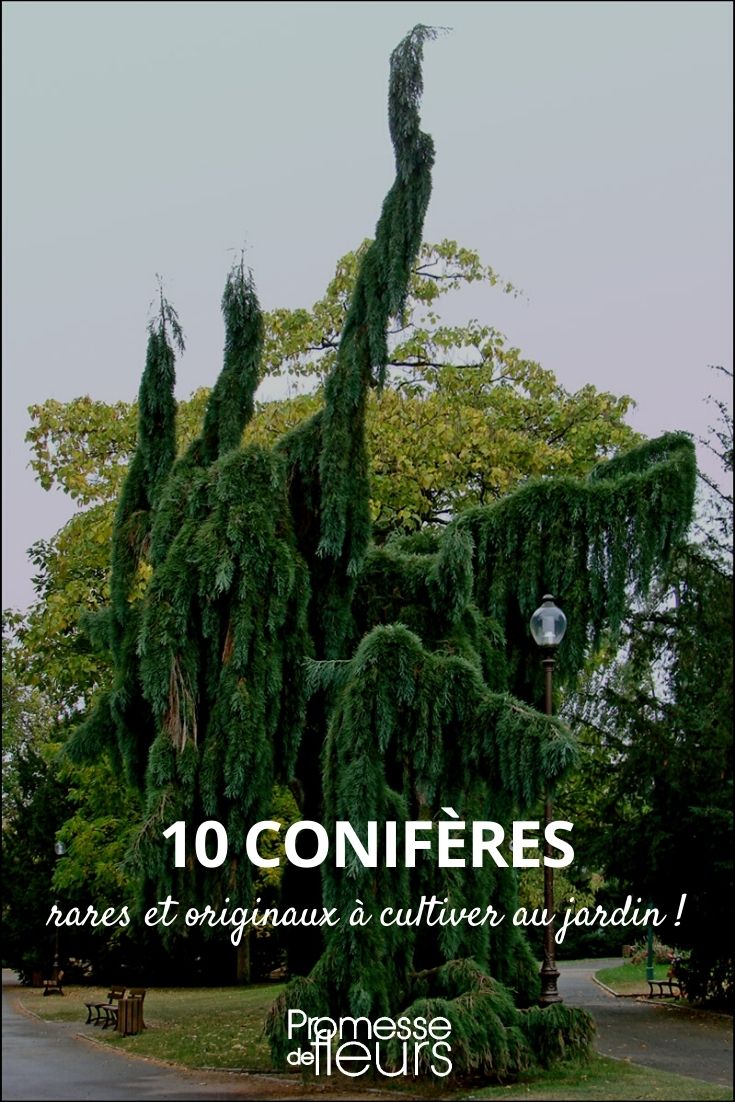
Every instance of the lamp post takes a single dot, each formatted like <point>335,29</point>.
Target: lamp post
<point>548,625</point>
<point>59,850</point>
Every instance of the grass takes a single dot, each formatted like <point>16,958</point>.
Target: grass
<point>220,1027</point>
<point>630,979</point>
<point>603,1078</point>
<point>223,1028</point>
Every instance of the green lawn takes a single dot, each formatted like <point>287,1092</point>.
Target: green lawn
<point>630,979</point>
<point>603,1078</point>
<point>223,1028</point>
<point>210,1027</point>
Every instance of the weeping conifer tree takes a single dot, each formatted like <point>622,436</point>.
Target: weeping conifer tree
<point>275,641</point>
<point>122,722</point>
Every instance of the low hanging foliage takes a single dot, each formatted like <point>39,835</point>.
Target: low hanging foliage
<point>490,1036</point>
<point>594,544</point>
<point>274,641</point>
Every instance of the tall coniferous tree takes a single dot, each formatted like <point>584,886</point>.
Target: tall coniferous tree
<point>327,457</point>
<point>267,590</point>
<point>122,721</point>
<point>223,635</point>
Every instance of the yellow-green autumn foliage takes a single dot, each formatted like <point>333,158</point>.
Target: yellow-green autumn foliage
<point>450,438</point>
<point>467,433</point>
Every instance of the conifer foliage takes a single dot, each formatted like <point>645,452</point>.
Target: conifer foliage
<point>122,722</point>
<point>275,641</point>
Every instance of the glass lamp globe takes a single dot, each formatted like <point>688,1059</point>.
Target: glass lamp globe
<point>548,623</point>
<point>59,849</point>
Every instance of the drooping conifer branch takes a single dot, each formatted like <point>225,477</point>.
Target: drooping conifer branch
<point>122,721</point>
<point>223,635</point>
<point>154,456</point>
<point>413,732</point>
<point>229,407</point>
<point>379,294</point>
<point>594,544</point>
<point>231,403</point>
<point>329,469</point>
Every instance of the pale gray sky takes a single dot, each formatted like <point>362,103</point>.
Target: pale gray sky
<point>583,148</point>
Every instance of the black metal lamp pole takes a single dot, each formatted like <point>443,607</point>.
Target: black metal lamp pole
<point>548,625</point>
<point>59,850</point>
<point>56,950</point>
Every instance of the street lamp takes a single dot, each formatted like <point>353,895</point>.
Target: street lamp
<point>59,850</point>
<point>548,625</point>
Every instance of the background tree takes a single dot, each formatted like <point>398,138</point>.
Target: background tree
<point>34,808</point>
<point>45,800</point>
<point>661,715</point>
<point>33,813</point>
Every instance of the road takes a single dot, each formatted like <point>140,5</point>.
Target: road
<point>666,1037</point>
<point>46,1060</point>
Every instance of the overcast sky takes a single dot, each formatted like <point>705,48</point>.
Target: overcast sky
<point>583,148</point>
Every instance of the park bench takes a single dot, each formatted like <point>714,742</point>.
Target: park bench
<point>103,1011</point>
<point>128,1013</point>
<point>661,984</point>
<point>53,986</point>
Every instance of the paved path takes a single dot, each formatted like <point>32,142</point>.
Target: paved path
<point>666,1037</point>
<point>45,1060</point>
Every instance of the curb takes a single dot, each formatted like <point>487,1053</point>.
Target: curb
<point>226,1073</point>
<point>615,994</point>
<point>646,1000</point>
